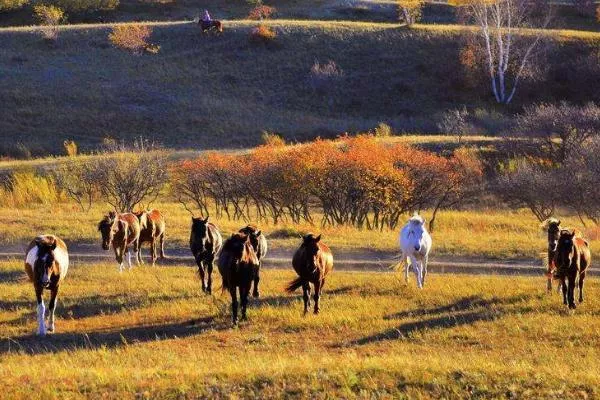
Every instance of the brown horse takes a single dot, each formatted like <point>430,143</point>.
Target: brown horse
<point>313,261</point>
<point>553,229</point>
<point>122,232</point>
<point>152,230</point>
<point>259,243</point>
<point>238,265</point>
<point>572,259</point>
<point>46,264</point>
<point>207,26</point>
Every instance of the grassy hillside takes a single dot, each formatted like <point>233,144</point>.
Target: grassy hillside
<point>149,334</point>
<point>207,92</point>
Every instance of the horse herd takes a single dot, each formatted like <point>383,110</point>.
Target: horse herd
<point>239,258</point>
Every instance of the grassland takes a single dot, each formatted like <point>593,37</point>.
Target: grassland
<point>485,233</point>
<point>148,333</point>
<point>222,91</point>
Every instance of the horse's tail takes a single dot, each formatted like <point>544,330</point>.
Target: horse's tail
<point>293,285</point>
<point>401,261</point>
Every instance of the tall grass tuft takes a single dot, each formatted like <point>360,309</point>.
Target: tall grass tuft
<point>26,188</point>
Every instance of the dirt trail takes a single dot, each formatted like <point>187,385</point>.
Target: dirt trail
<point>346,260</point>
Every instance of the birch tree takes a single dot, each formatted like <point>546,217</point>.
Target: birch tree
<point>506,49</point>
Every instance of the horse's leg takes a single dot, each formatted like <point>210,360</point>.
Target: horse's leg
<point>129,257</point>
<point>581,279</point>
<point>119,257</point>
<point>52,305</point>
<point>244,293</point>
<point>318,287</point>
<point>234,304</point>
<point>418,273</point>
<point>306,296</point>
<point>137,248</point>
<point>209,270</point>
<point>153,251</point>
<point>162,246</point>
<point>564,289</point>
<point>200,263</point>
<point>424,265</point>
<point>41,311</point>
<point>255,293</point>
<point>571,291</point>
<point>404,260</point>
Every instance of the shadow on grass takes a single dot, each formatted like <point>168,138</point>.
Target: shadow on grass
<point>13,276</point>
<point>284,301</point>
<point>58,342</point>
<point>465,311</point>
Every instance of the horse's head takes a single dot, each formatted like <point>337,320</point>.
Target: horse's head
<point>310,242</point>
<point>200,232</point>
<point>553,228</point>
<point>240,247</point>
<point>254,234</point>
<point>45,264</point>
<point>565,249</point>
<point>416,232</point>
<point>108,227</point>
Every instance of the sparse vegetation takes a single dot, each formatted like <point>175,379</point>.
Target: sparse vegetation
<point>262,34</point>
<point>81,6</point>
<point>324,76</point>
<point>50,17</point>
<point>410,11</point>
<point>133,38</point>
<point>11,5</point>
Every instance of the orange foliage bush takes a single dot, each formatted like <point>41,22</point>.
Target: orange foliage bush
<point>356,180</point>
<point>262,34</point>
<point>133,38</point>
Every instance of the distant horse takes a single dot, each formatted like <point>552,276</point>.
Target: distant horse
<point>238,265</point>
<point>415,244</point>
<point>552,226</point>
<point>152,229</point>
<point>207,26</point>
<point>572,259</point>
<point>259,243</point>
<point>205,243</point>
<point>313,261</point>
<point>46,264</point>
<point>122,232</point>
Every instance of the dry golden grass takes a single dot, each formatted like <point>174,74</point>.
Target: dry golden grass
<point>149,333</point>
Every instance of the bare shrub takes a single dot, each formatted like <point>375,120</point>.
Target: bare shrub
<point>80,180</point>
<point>455,122</point>
<point>50,17</point>
<point>382,130</point>
<point>70,148</point>
<point>324,76</point>
<point>133,38</point>
<point>261,11</point>
<point>272,139</point>
<point>410,11</point>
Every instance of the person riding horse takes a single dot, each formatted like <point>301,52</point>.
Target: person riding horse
<point>207,23</point>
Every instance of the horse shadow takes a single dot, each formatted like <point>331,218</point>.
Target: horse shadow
<point>59,342</point>
<point>12,276</point>
<point>465,311</point>
<point>284,301</point>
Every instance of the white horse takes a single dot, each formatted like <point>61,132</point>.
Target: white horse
<point>415,244</point>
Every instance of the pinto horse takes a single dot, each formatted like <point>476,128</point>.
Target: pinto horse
<point>259,243</point>
<point>207,26</point>
<point>122,232</point>
<point>415,244</point>
<point>572,259</point>
<point>46,264</point>
<point>205,243</point>
<point>313,261</point>
<point>238,265</point>
<point>152,230</point>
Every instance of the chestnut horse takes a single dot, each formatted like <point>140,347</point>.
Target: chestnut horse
<point>46,264</point>
<point>238,265</point>
<point>313,261</point>
<point>205,244</point>
<point>207,26</point>
<point>553,228</point>
<point>259,243</point>
<point>152,230</point>
<point>122,232</point>
<point>572,259</point>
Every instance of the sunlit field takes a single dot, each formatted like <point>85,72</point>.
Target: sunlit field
<point>150,333</point>
<point>473,233</point>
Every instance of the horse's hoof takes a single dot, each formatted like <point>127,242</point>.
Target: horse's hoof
<point>256,294</point>
<point>50,329</point>
<point>316,312</point>
<point>572,306</point>
<point>244,318</point>
<point>581,300</point>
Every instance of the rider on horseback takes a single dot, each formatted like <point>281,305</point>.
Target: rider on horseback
<point>206,17</point>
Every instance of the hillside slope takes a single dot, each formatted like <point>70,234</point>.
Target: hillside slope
<point>222,91</point>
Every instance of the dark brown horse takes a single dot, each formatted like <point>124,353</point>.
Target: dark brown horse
<point>152,230</point>
<point>205,244</point>
<point>122,232</point>
<point>313,261</point>
<point>572,260</point>
<point>259,243</point>
<point>214,25</point>
<point>46,264</point>
<point>238,265</point>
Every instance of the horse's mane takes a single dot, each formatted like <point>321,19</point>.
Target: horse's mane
<point>548,222</point>
<point>416,219</point>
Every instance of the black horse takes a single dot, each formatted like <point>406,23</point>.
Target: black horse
<point>259,243</point>
<point>238,265</point>
<point>205,243</point>
<point>207,26</point>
